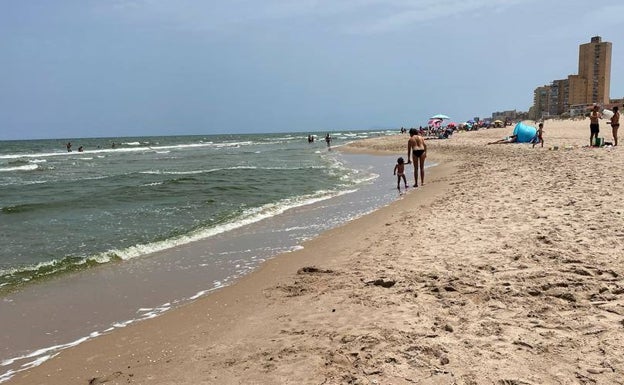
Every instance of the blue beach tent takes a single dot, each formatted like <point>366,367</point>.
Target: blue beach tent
<point>524,132</point>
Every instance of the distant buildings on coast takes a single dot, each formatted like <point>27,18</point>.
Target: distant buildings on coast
<point>572,96</point>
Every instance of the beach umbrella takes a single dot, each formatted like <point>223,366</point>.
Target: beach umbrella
<point>439,116</point>
<point>434,122</point>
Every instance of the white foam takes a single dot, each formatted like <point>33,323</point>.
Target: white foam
<point>192,172</point>
<point>133,147</point>
<point>39,356</point>
<point>248,217</point>
<point>26,167</point>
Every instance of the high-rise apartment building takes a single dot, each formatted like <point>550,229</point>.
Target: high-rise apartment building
<point>595,68</point>
<point>590,85</point>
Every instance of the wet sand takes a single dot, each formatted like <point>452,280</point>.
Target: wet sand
<point>504,268</point>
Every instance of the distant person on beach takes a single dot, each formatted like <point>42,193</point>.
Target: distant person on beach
<point>310,139</point>
<point>68,146</point>
<point>399,171</point>
<point>539,137</point>
<point>80,149</point>
<point>328,139</point>
<point>615,124</point>
<point>509,139</point>
<point>417,149</point>
<point>594,126</point>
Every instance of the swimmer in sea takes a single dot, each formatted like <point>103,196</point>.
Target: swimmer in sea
<point>417,149</point>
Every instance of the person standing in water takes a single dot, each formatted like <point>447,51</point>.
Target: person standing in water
<point>328,140</point>
<point>417,150</point>
<point>68,146</point>
<point>399,171</point>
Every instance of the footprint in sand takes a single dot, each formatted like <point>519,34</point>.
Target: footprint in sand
<point>102,380</point>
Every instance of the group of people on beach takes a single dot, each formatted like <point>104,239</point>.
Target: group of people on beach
<point>594,124</point>
<point>594,129</point>
<point>537,139</point>
<point>416,152</point>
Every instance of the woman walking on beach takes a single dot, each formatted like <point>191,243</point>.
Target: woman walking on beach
<point>417,149</point>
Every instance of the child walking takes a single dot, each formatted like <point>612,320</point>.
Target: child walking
<point>539,135</point>
<point>399,171</point>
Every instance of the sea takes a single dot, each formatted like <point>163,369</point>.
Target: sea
<point>129,228</point>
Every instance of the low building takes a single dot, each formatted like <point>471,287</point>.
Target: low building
<point>579,109</point>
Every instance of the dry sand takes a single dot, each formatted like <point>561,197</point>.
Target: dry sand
<point>506,268</point>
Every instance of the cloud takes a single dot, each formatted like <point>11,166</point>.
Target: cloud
<point>606,15</point>
<point>347,16</point>
<point>401,14</point>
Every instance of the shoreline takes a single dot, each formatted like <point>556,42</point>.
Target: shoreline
<point>36,320</point>
<point>282,264</point>
<point>501,269</point>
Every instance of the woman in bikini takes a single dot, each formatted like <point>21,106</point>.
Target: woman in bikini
<point>417,149</point>
<point>615,124</point>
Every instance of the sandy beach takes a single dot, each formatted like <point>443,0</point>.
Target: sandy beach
<point>504,268</point>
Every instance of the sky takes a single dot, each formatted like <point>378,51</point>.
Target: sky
<point>109,68</point>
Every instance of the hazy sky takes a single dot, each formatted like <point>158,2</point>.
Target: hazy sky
<point>85,68</point>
